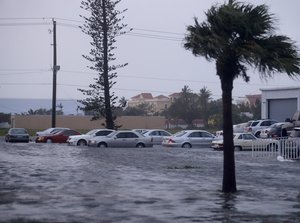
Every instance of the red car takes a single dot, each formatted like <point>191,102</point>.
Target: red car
<point>58,137</point>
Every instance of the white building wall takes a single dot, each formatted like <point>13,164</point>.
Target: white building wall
<point>278,93</point>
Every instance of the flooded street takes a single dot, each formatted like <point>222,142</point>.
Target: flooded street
<point>60,183</point>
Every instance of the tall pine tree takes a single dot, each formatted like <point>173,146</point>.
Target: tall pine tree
<point>103,26</point>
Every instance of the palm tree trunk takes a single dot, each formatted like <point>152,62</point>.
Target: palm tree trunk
<point>229,181</point>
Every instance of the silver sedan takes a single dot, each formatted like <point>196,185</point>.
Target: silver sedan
<point>122,139</point>
<point>189,139</point>
<point>157,135</point>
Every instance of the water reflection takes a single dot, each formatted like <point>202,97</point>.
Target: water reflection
<point>228,201</point>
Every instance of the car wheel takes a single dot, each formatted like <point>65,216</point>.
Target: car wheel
<point>49,141</point>
<point>238,148</point>
<point>257,134</point>
<point>102,145</point>
<point>186,145</point>
<point>81,143</point>
<point>140,145</point>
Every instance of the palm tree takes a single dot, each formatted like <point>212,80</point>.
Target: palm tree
<point>238,35</point>
<point>204,98</point>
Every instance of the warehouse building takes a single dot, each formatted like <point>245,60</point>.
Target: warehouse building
<point>280,103</point>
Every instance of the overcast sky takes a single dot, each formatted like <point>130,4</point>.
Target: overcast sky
<point>157,61</point>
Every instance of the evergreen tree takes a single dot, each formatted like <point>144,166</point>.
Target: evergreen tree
<point>103,26</point>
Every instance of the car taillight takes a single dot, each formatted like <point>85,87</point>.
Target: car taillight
<point>249,129</point>
<point>171,141</point>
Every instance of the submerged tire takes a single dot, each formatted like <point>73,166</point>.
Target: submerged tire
<point>102,145</point>
<point>186,145</point>
<point>140,145</point>
<point>238,148</point>
<point>81,143</point>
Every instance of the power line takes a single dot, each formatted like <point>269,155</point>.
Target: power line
<point>114,88</point>
<point>148,77</point>
<point>26,24</point>
<point>170,36</point>
<point>26,18</point>
<point>153,36</point>
<point>25,72</point>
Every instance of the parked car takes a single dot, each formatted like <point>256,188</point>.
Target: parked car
<point>82,140</point>
<point>189,139</point>
<point>256,126</point>
<point>295,133</point>
<point>157,135</point>
<point>280,129</point>
<point>142,131</point>
<point>244,141</point>
<point>57,137</point>
<point>49,131</point>
<point>122,138</point>
<point>239,127</point>
<point>17,135</point>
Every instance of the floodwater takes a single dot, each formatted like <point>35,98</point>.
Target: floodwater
<point>58,183</point>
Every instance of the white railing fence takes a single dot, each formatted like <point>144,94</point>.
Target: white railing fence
<point>287,148</point>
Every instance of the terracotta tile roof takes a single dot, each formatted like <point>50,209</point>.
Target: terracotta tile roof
<point>143,96</point>
<point>161,97</point>
<point>174,95</point>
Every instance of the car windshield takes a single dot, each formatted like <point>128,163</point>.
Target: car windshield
<point>276,125</point>
<point>48,130</point>
<point>18,131</point>
<point>111,134</point>
<point>179,134</point>
<point>144,132</point>
<point>91,132</point>
<point>254,123</point>
<point>58,131</point>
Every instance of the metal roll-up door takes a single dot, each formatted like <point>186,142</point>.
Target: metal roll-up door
<point>280,109</point>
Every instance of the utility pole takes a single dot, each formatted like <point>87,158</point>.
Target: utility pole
<point>55,69</point>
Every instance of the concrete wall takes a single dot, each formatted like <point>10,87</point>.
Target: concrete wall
<point>84,122</point>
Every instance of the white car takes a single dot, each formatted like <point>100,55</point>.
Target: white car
<point>157,135</point>
<point>121,139</point>
<point>189,139</point>
<point>256,126</point>
<point>244,141</point>
<point>82,140</point>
